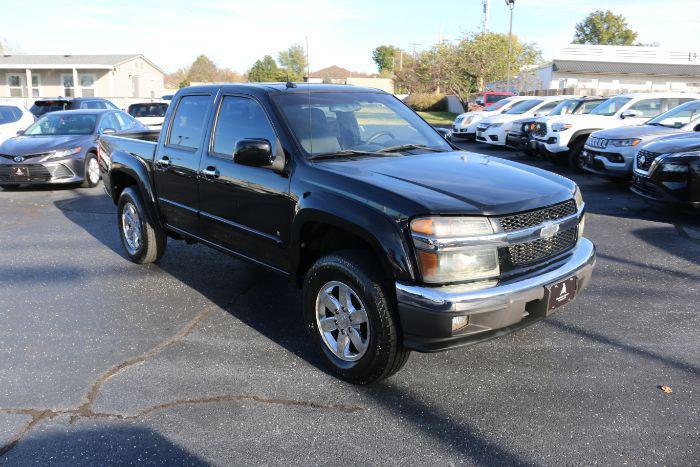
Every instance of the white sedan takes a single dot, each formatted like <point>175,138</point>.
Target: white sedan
<point>13,118</point>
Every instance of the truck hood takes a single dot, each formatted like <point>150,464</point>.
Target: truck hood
<point>675,143</point>
<point>503,118</point>
<point>635,131</point>
<point>24,145</point>
<point>454,183</point>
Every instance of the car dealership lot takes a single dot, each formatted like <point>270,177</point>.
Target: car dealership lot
<point>202,358</point>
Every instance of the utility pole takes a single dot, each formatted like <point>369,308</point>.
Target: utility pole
<point>414,45</point>
<point>485,26</point>
<point>510,4</point>
<point>401,59</point>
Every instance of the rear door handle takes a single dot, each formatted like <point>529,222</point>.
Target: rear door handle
<point>210,172</point>
<point>163,161</point>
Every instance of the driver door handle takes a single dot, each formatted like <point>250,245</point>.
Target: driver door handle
<point>163,162</point>
<point>210,172</point>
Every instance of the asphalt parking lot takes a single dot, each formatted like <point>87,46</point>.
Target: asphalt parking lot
<point>202,359</point>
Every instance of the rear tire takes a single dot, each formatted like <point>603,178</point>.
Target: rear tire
<point>143,241</point>
<point>91,172</point>
<point>379,352</point>
<point>575,160</point>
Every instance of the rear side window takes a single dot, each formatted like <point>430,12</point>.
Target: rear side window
<point>9,114</point>
<point>188,122</point>
<point>647,108</point>
<point>92,105</point>
<point>545,109</point>
<point>125,121</point>
<point>41,108</point>
<point>240,118</point>
<point>108,121</point>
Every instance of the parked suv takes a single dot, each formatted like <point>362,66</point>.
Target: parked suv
<point>399,240</point>
<point>611,152</point>
<point>520,134</point>
<point>565,136</point>
<point>492,130</point>
<point>464,126</point>
<point>43,106</point>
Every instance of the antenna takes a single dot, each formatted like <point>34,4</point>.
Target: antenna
<point>308,92</point>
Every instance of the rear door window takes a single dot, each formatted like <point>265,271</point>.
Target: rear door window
<point>187,126</point>
<point>647,108</point>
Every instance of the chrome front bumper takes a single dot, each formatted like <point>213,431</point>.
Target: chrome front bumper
<point>427,312</point>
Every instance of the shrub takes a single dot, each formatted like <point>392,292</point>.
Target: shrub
<point>427,102</point>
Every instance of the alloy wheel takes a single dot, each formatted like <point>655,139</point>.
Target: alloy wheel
<point>131,228</point>
<point>342,321</point>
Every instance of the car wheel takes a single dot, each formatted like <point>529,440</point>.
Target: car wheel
<point>91,177</point>
<point>575,160</point>
<point>352,319</point>
<point>143,241</point>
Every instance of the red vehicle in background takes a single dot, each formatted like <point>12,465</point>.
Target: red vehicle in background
<point>490,97</point>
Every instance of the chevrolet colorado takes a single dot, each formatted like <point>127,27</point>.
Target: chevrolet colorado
<point>400,241</point>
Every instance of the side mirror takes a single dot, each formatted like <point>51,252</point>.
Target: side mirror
<point>628,114</point>
<point>447,134</point>
<point>697,127</point>
<point>108,131</point>
<point>253,152</point>
<point>20,132</point>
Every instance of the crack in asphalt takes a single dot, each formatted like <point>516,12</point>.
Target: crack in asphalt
<point>85,408</point>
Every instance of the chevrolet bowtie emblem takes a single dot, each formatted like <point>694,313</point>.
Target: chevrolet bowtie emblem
<point>549,230</point>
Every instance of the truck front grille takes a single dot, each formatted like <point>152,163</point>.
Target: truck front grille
<point>537,217</point>
<point>541,249</point>
<point>540,130</point>
<point>645,159</point>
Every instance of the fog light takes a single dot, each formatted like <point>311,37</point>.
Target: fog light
<point>459,323</point>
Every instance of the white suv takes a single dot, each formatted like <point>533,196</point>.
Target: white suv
<point>493,130</point>
<point>566,135</point>
<point>464,126</point>
<point>611,152</point>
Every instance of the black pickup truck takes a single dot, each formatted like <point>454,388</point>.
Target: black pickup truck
<point>399,240</point>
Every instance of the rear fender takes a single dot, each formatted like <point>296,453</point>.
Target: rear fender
<point>126,165</point>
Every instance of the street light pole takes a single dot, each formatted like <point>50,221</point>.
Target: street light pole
<point>510,4</point>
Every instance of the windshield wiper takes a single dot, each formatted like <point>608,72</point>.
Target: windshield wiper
<point>406,147</point>
<point>343,153</point>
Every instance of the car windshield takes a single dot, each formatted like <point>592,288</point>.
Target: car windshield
<point>43,107</point>
<point>565,107</point>
<point>148,110</point>
<point>360,122</point>
<point>524,106</point>
<point>678,116</point>
<point>9,114</point>
<point>497,105</point>
<point>611,106</point>
<point>63,124</point>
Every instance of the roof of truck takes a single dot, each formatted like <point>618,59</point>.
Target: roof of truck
<point>283,88</point>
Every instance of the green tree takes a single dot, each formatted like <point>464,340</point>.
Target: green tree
<point>265,70</point>
<point>294,61</point>
<point>385,57</point>
<point>203,70</point>
<point>604,28</point>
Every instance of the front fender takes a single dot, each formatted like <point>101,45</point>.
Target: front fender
<point>382,232</point>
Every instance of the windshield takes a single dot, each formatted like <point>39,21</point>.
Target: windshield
<point>524,106</point>
<point>611,106</point>
<point>44,107</point>
<point>330,122</point>
<point>148,110</point>
<point>9,114</point>
<point>64,124</point>
<point>498,105</point>
<point>678,116</point>
<point>587,106</point>
<point>564,107</point>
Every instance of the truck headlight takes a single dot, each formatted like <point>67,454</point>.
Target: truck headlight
<point>625,142</point>
<point>62,153</point>
<point>561,126</point>
<point>579,205</point>
<point>441,263</point>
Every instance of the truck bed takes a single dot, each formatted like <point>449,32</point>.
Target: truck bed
<point>140,143</point>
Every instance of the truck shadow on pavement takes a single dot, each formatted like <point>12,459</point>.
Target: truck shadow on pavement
<point>108,445</point>
<point>274,311</point>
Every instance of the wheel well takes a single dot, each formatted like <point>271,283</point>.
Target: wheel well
<point>120,180</point>
<point>318,239</point>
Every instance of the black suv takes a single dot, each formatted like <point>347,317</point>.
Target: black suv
<point>43,106</point>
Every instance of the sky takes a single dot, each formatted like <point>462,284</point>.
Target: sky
<point>235,33</point>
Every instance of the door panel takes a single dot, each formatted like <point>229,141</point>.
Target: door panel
<point>177,163</point>
<point>245,209</point>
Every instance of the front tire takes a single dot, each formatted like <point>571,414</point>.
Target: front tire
<point>575,160</point>
<point>91,177</point>
<point>351,317</point>
<point>142,240</point>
